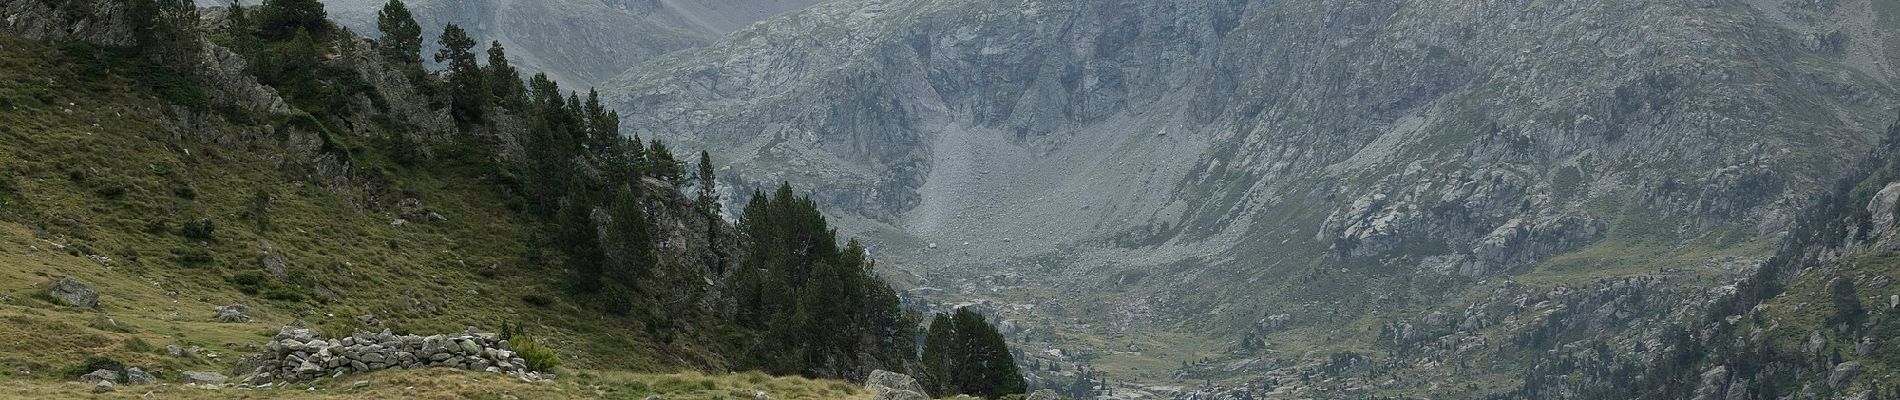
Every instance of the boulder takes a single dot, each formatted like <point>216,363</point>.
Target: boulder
<point>202,378</point>
<point>1843,373</point>
<point>275,262</point>
<point>889,385</point>
<point>1044,394</point>
<point>73,293</point>
<point>102,387</point>
<point>234,313</point>
<point>136,376</point>
<point>104,375</point>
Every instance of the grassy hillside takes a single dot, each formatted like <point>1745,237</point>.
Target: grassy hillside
<point>100,184</point>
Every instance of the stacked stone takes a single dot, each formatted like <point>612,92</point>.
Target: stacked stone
<point>299,354</point>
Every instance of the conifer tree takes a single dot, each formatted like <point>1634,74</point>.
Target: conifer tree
<point>467,92</point>
<point>402,37</point>
<point>283,18</point>
<point>504,81</point>
<point>631,250</point>
<point>708,194</point>
<point>580,239</point>
<point>963,354</point>
<point>662,165</point>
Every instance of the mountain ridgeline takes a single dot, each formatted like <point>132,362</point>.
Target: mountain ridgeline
<point>527,186</point>
<point>1302,199</point>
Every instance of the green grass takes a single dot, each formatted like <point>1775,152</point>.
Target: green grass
<point>99,182</point>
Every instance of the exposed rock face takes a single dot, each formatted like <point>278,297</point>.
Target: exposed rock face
<point>894,386</point>
<point>93,21</point>
<point>1242,145</point>
<point>73,293</point>
<point>298,354</point>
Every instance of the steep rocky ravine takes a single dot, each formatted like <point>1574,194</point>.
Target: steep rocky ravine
<point>1212,174</point>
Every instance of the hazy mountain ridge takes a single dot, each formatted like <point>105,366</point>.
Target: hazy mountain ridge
<point>580,43</point>
<point>1160,160</point>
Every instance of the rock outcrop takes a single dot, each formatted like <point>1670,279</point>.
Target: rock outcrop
<point>889,385</point>
<point>69,291</point>
<point>234,313</point>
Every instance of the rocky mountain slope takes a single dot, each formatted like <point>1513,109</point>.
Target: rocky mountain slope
<point>1262,184</point>
<point>195,200</point>
<point>580,43</point>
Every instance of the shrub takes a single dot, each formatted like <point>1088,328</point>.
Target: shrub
<point>539,358</point>
<point>93,363</point>
<point>537,299</point>
<point>193,257</point>
<point>201,229</point>
<point>249,282</point>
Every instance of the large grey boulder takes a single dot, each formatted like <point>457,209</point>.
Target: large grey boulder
<point>104,375</point>
<point>73,293</point>
<point>136,376</point>
<point>889,385</point>
<point>202,378</point>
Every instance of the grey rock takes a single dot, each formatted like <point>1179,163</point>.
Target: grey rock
<point>275,262</point>
<point>234,313</point>
<point>136,376</point>
<point>103,375</point>
<point>889,385</point>
<point>1044,394</point>
<point>73,293</point>
<point>1843,373</point>
<point>202,378</point>
<point>308,367</point>
<point>102,387</point>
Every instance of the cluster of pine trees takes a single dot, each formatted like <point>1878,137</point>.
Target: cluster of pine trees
<point>814,307</point>
<point>963,354</point>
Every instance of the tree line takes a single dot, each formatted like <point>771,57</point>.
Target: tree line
<point>813,307</point>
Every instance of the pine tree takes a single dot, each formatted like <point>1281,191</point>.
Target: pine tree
<point>402,37</point>
<point>504,81</point>
<point>283,18</point>
<point>603,126</point>
<point>580,239</point>
<point>963,354</point>
<point>938,347</point>
<point>467,93</point>
<point>631,250</point>
<point>662,165</point>
<point>708,194</point>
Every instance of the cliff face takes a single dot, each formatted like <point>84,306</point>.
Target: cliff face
<point>1330,160</point>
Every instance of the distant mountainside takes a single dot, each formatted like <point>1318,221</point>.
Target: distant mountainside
<point>580,43</point>
<point>1276,188</point>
